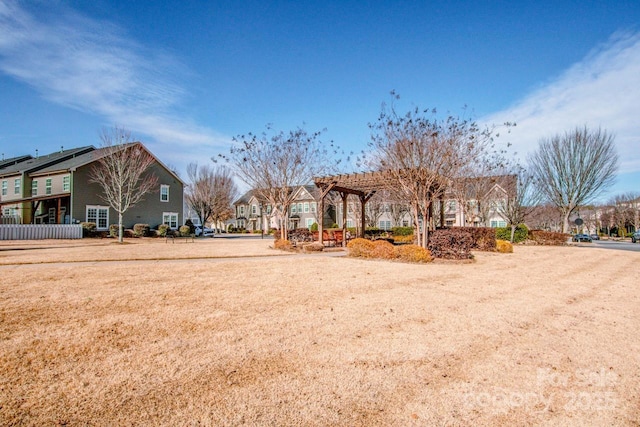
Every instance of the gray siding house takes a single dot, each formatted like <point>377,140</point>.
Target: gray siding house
<point>60,192</point>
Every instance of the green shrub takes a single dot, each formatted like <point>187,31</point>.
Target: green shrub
<point>88,229</point>
<point>162,230</point>
<point>141,230</point>
<point>314,227</point>
<point>402,231</point>
<point>451,243</point>
<point>521,234</point>
<point>185,230</point>
<point>504,246</point>
<point>413,253</point>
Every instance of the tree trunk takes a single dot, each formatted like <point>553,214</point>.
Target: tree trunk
<point>565,221</point>
<point>513,232</point>
<point>120,231</point>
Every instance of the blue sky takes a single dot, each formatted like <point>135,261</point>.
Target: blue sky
<point>186,76</point>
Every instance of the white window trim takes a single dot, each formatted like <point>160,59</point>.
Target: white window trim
<point>163,187</point>
<point>34,188</point>
<point>5,187</point>
<point>171,215</point>
<point>97,222</point>
<point>66,183</point>
<point>48,186</point>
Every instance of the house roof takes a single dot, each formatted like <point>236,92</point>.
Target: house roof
<point>90,157</point>
<point>14,160</point>
<point>40,162</point>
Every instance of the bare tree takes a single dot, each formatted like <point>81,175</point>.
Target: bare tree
<point>374,209</point>
<point>123,172</point>
<point>210,192</point>
<point>272,163</point>
<point>522,197</point>
<point>421,155</point>
<point>574,169</point>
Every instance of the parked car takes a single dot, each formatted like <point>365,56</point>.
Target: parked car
<point>582,238</point>
<point>635,237</point>
<point>207,232</point>
<point>594,237</point>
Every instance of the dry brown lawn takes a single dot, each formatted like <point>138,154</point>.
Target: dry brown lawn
<point>543,336</point>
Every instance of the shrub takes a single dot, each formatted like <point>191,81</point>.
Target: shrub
<point>360,247</point>
<point>384,250</point>
<point>185,230</point>
<point>113,230</point>
<point>162,230</point>
<point>504,246</point>
<point>550,238</point>
<point>504,233</point>
<point>413,253</point>
<point>283,245</point>
<point>88,229</point>
<point>189,223</point>
<point>403,239</point>
<point>402,231</point>
<point>314,227</point>
<point>451,243</point>
<point>313,247</point>
<point>141,230</point>
<point>300,235</point>
<point>484,238</point>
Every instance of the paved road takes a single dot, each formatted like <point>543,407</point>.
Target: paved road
<point>609,244</point>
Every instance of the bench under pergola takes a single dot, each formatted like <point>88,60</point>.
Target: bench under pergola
<point>363,185</point>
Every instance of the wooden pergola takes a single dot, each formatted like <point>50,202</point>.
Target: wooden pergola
<point>364,185</point>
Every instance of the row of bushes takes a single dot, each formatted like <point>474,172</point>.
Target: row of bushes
<point>139,230</point>
<point>381,249</point>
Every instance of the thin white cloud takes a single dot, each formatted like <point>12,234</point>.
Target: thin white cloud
<point>603,90</point>
<point>91,66</point>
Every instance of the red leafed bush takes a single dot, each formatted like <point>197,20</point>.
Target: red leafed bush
<point>484,238</point>
<point>413,253</point>
<point>451,243</point>
<point>360,247</point>
<point>550,238</point>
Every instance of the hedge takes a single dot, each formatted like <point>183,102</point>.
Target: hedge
<point>451,243</point>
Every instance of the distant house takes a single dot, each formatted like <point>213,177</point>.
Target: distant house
<point>56,189</point>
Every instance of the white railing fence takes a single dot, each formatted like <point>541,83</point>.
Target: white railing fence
<point>40,231</point>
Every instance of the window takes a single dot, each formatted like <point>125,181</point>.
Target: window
<point>47,186</point>
<point>310,222</point>
<point>241,210</point>
<point>268,209</point>
<point>451,205</point>
<point>66,183</point>
<point>306,207</point>
<point>164,193</point>
<point>5,185</point>
<point>350,223</point>
<point>385,225</point>
<point>17,186</point>
<point>293,209</point>
<point>9,211</point>
<point>254,209</point>
<point>34,188</point>
<point>171,219</point>
<point>299,207</point>
<point>500,224</point>
<point>99,215</point>
<point>52,215</point>
<point>313,207</point>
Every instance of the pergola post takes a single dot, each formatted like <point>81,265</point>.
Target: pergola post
<point>344,218</point>
<point>323,194</point>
